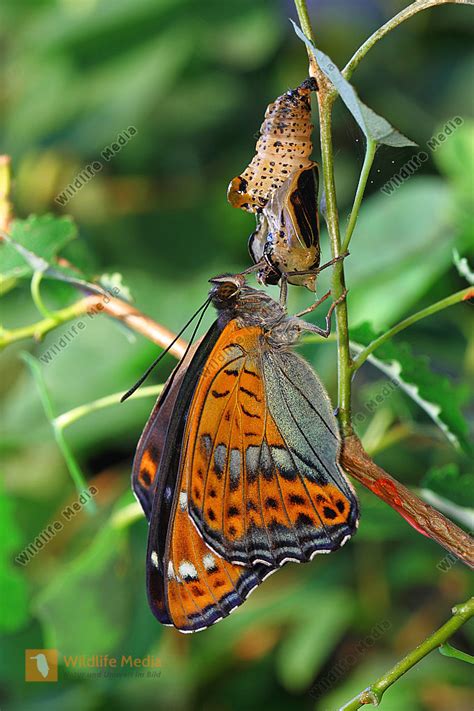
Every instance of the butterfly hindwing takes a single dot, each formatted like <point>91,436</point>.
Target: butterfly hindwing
<point>164,428</point>
<point>264,482</point>
<point>188,584</point>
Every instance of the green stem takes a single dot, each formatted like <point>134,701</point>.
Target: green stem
<point>325,103</point>
<point>303,17</point>
<point>71,462</point>
<point>126,516</point>
<point>405,14</point>
<point>373,694</point>
<point>41,328</point>
<point>370,151</point>
<point>338,279</point>
<point>67,418</point>
<point>448,651</point>
<point>462,295</point>
<point>36,296</point>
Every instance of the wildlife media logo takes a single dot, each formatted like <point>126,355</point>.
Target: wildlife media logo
<point>41,664</point>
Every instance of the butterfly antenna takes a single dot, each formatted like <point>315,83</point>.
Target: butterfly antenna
<point>162,355</point>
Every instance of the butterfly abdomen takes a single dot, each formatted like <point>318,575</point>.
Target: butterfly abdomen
<point>284,146</point>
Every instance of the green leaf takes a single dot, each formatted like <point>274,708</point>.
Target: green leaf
<point>448,651</point>
<point>13,589</point>
<point>449,483</point>
<point>374,127</point>
<point>435,394</point>
<point>389,271</point>
<point>108,284</point>
<point>43,236</point>
<point>114,284</point>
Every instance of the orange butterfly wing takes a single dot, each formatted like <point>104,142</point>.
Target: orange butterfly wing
<point>259,489</point>
<point>189,586</point>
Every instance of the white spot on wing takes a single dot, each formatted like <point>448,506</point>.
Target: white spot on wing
<point>154,559</point>
<point>187,570</point>
<point>171,573</point>
<point>183,501</point>
<point>283,460</point>
<point>209,561</point>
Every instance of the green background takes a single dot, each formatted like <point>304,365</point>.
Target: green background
<point>194,79</point>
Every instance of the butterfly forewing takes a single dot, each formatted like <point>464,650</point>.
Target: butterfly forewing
<point>264,480</point>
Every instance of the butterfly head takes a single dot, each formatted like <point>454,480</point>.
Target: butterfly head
<point>233,298</point>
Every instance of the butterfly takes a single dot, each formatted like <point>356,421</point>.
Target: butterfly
<point>237,469</point>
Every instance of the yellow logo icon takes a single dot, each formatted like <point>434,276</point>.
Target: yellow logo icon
<point>41,664</point>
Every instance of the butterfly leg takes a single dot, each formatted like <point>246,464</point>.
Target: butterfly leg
<point>324,332</point>
<point>315,305</point>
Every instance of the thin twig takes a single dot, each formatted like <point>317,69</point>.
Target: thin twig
<point>423,517</point>
<point>463,295</point>
<point>405,14</point>
<point>71,462</point>
<point>370,150</point>
<point>92,306</point>
<point>71,416</point>
<point>373,694</point>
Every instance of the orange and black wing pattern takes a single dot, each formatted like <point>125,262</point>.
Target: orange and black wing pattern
<point>260,455</point>
<point>189,585</point>
<point>239,467</point>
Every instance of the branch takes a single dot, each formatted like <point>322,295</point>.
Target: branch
<point>71,462</point>
<point>71,416</point>
<point>405,14</point>
<point>370,150</point>
<point>423,517</point>
<point>463,295</point>
<point>373,694</point>
<point>92,306</point>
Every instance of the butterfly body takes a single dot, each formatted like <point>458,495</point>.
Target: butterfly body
<point>244,476</point>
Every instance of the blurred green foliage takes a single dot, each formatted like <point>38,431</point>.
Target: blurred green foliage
<point>194,79</point>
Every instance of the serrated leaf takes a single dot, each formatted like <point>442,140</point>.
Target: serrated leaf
<point>374,127</point>
<point>43,236</point>
<point>62,271</point>
<point>114,284</point>
<point>434,393</point>
<point>449,483</point>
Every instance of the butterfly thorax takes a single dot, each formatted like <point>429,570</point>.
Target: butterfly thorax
<point>234,300</point>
